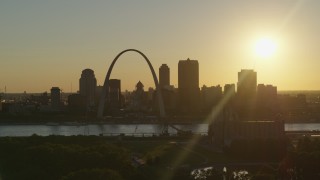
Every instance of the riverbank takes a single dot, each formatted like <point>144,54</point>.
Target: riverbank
<point>103,122</point>
<point>76,123</point>
<point>65,119</point>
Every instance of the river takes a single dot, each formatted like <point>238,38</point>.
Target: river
<point>116,129</point>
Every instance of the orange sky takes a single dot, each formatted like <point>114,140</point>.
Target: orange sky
<point>45,44</point>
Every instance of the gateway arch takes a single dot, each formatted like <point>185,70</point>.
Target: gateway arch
<point>105,89</point>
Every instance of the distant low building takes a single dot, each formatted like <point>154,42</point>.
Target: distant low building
<point>227,127</point>
<point>139,98</point>
<point>247,85</point>
<point>265,92</point>
<point>229,90</point>
<point>169,96</point>
<point>77,104</point>
<point>17,108</point>
<point>1,102</point>
<point>210,97</point>
<point>115,96</point>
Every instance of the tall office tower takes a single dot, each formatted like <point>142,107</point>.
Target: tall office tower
<point>115,93</point>
<point>55,97</point>
<point>188,86</point>
<point>88,85</point>
<point>247,84</point>
<point>164,76</point>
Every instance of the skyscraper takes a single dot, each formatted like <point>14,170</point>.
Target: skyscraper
<point>188,74</point>
<point>188,86</point>
<point>55,97</point>
<point>164,76</point>
<point>115,93</point>
<point>247,84</point>
<point>88,85</point>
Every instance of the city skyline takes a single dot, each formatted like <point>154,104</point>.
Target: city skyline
<point>48,44</point>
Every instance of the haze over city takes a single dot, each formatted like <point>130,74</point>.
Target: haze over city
<point>45,44</point>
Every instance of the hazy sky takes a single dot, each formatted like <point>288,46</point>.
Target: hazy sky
<point>49,43</point>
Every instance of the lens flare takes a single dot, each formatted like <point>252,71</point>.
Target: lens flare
<point>265,47</point>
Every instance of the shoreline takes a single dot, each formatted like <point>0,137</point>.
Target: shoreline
<point>75,123</point>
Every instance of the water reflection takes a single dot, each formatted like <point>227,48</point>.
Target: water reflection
<point>219,173</point>
<point>55,130</point>
<point>94,129</point>
<point>108,129</point>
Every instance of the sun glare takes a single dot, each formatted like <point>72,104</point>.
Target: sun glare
<point>265,47</point>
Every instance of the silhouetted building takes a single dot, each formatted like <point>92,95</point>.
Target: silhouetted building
<point>188,86</point>
<point>12,107</point>
<point>77,104</point>
<point>55,97</point>
<point>140,98</point>
<point>127,98</point>
<point>88,85</point>
<point>229,94</point>
<point>44,99</point>
<point>229,89</point>
<point>167,91</point>
<point>247,84</point>
<point>210,97</point>
<point>169,96</point>
<point>0,102</point>
<point>227,132</point>
<point>115,93</point>
<point>267,101</point>
<point>302,99</point>
<point>164,76</point>
<point>289,103</point>
<point>151,93</point>
<point>227,127</point>
<point>98,93</point>
<point>266,93</point>
<point>267,90</point>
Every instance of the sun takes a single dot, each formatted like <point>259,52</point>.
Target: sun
<point>265,47</point>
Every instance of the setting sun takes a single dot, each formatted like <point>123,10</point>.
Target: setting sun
<point>265,47</point>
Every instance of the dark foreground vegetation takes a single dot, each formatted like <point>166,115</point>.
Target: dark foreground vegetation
<point>95,158</point>
<point>63,158</point>
<point>303,162</point>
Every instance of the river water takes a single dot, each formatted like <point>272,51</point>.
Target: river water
<point>116,129</point>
